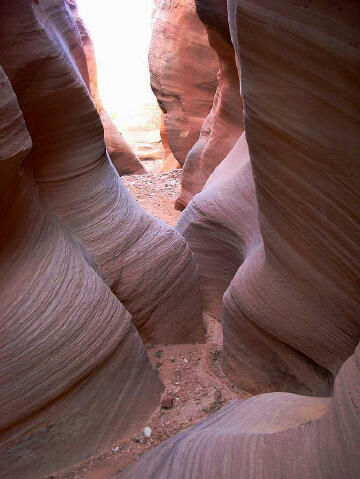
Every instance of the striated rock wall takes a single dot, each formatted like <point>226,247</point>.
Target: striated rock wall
<point>121,155</point>
<point>224,124</point>
<point>302,151</point>
<point>291,312</point>
<point>220,234</point>
<point>275,435</point>
<point>75,251</point>
<point>301,120</point>
<point>71,359</point>
<point>183,72</point>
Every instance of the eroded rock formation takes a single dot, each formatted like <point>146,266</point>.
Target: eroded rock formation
<point>183,72</point>
<point>221,235</point>
<point>121,155</point>
<point>276,228</point>
<point>298,157</point>
<point>170,161</point>
<point>275,435</point>
<point>291,312</point>
<point>224,124</point>
<point>75,249</point>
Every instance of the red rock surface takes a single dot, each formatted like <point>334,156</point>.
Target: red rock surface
<point>122,156</point>
<point>219,234</point>
<point>224,124</point>
<point>291,312</point>
<point>75,249</point>
<point>183,72</point>
<point>170,161</point>
<point>277,226</point>
<point>276,435</point>
<point>297,160</point>
<point>301,126</point>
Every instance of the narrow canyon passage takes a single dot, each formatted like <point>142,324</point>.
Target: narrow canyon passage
<point>179,239</point>
<point>195,385</point>
<point>195,388</point>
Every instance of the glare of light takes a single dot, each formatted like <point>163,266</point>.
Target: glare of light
<point>121,32</point>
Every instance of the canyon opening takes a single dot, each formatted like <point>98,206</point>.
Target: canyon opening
<point>180,231</point>
<point>126,93</point>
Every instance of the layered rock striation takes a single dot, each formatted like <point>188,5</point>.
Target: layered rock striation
<point>291,311</point>
<point>275,232</point>
<point>183,71</point>
<point>283,243</point>
<point>75,251</point>
<point>224,124</point>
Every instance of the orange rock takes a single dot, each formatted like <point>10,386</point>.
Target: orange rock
<point>183,71</point>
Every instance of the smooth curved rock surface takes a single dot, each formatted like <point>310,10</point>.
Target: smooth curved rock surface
<point>144,261</point>
<point>275,435</point>
<point>74,247</point>
<point>302,131</point>
<point>291,313</point>
<point>224,124</point>
<point>183,72</point>
<point>299,74</point>
<point>121,155</point>
<point>170,161</point>
<point>74,375</point>
<point>211,224</point>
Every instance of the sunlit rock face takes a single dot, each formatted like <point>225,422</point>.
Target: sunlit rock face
<point>210,218</point>
<point>121,155</point>
<point>224,124</point>
<point>183,71</point>
<point>75,251</point>
<point>170,161</point>
<point>291,312</point>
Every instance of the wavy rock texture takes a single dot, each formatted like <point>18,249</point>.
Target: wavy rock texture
<point>275,435</point>
<point>302,131</point>
<point>74,375</point>
<point>301,118</point>
<point>144,261</point>
<point>219,234</point>
<point>224,124</point>
<point>291,313</point>
<point>121,155</point>
<point>183,72</point>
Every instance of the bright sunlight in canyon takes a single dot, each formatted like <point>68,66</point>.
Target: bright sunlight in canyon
<point>125,92</point>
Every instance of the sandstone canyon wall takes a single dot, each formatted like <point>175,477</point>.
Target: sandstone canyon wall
<point>298,154</point>
<point>286,208</point>
<point>224,124</point>
<point>170,162</point>
<point>75,251</point>
<point>183,73</point>
<point>121,155</point>
<point>274,233</point>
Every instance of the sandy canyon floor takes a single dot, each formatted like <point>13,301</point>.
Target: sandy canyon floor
<point>195,385</point>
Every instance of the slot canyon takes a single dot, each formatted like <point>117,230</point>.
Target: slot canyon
<point>200,320</point>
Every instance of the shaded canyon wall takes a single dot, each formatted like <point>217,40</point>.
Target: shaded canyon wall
<point>284,204</point>
<point>75,251</point>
